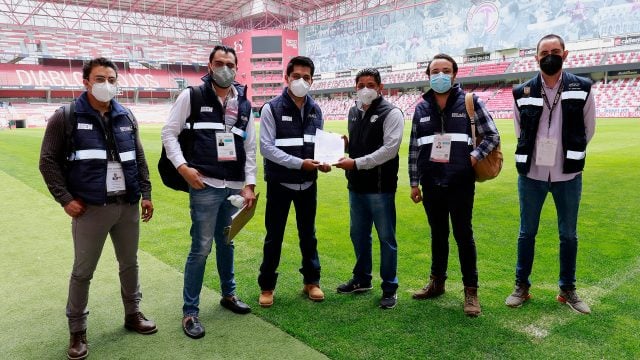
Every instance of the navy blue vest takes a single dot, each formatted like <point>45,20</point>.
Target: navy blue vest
<point>530,104</point>
<point>366,135</point>
<point>455,122</point>
<point>209,121</point>
<point>295,135</point>
<point>86,178</point>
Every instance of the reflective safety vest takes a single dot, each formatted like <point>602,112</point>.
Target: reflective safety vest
<point>92,149</point>
<point>295,135</point>
<point>208,117</point>
<point>454,121</point>
<point>530,104</point>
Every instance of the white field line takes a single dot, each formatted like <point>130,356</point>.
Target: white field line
<point>540,328</point>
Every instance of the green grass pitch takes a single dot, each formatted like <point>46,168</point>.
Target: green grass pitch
<point>353,327</point>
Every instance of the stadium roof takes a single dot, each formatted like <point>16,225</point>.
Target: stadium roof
<point>228,12</point>
<point>206,20</point>
<point>246,14</point>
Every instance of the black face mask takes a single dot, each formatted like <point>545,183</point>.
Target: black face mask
<point>551,64</point>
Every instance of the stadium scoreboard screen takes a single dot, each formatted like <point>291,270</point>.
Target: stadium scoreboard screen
<point>266,44</point>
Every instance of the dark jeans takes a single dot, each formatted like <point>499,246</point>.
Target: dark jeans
<point>279,199</point>
<point>455,201</point>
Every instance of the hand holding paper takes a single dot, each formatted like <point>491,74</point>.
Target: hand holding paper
<point>329,147</point>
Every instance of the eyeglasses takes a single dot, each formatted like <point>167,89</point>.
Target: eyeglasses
<point>100,79</point>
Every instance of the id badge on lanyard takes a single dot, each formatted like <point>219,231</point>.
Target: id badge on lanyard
<point>546,152</point>
<point>441,148</point>
<point>546,147</point>
<point>226,146</point>
<point>115,177</point>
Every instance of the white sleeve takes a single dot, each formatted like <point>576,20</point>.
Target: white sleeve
<point>178,115</point>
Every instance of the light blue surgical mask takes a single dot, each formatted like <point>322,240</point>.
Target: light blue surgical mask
<point>440,82</point>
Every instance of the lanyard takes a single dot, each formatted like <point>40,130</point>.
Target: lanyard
<point>224,110</point>
<point>555,100</point>
<point>224,102</point>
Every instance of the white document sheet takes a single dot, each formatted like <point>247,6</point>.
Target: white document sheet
<point>329,147</point>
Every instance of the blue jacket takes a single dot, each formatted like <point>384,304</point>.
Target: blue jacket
<point>209,119</point>
<point>93,145</point>
<point>295,135</point>
<point>529,101</point>
<point>454,121</point>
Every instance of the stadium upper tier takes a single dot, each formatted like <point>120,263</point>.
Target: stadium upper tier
<point>16,44</point>
<point>576,60</point>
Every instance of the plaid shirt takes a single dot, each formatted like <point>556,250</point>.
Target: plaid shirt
<point>485,127</point>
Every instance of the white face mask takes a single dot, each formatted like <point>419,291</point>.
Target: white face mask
<point>299,87</point>
<point>104,92</point>
<point>366,95</point>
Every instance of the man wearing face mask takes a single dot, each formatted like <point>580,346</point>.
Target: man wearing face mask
<point>220,163</point>
<point>441,160</point>
<point>287,132</point>
<point>95,167</point>
<point>375,134</point>
<point>554,121</point>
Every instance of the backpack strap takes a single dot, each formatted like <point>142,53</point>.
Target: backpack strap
<point>70,124</point>
<point>197,100</point>
<point>468,103</point>
<point>130,117</point>
<point>186,137</point>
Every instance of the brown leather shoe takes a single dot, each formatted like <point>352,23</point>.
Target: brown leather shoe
<point>140,324</point>
<point>434,288</point>
<point>314,292</point>
<point>266,298</point>
<point>471,303</point>
<point>78,346</point>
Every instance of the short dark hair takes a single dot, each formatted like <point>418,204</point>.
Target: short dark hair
<point>101,61</point>
<point>369,72</point>
<point>224,49</point>
<point>549,37</point>
<point>300,61</point>
<point>445,57</point>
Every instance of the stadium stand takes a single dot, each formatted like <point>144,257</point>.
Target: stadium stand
<point>157,68</point>
<point>65,44</point>
<point>491,68</point>
<point>618,98</point>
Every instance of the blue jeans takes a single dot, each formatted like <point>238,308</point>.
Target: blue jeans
<point>279,199</point>
<point>210,214</point>
<point>379,210</point>
<point>566,196</point>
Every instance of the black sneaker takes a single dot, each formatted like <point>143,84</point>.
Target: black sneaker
<point>353,286</point>
<point>389,300</point>
<point>192,327</point>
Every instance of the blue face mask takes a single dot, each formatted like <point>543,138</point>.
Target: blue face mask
<point>440,82</point>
